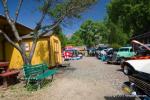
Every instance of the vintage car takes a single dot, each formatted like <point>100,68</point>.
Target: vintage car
<point>72,54</point>
<point>101,49</point>
<point>124,53</point>
<point>91,51</point>
<point>121,55</point>
<point>138,62</point>
<point>137,68</point>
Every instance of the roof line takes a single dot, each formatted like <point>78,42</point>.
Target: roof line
<point>2,16</point>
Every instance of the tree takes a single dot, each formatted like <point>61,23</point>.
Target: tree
<point>93,33</point>
<point>89,33</point>
<point>58,31</point>
<point>75,39</point>
<point>115,34</point>
<point>55,9</point>
<point>133,15</point>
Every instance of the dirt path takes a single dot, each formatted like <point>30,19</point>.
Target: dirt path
<point>86,79</point>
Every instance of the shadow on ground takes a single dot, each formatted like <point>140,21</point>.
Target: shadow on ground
<point>70,69</point>
<point>118,97</point>
<point>66,69</point>
<point>120,70</point>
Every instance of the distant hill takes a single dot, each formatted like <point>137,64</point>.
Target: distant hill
<point>69,36</point>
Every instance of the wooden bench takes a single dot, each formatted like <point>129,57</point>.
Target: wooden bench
<point>37,73</point>
<point>8,75</point>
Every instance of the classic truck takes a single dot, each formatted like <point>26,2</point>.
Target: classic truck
<point>121,55</point>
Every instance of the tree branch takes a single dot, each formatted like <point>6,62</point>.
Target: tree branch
<point>38,26</point>
<point>14,29</point>
<point>10,41</point>
<point>36,39</point>
<point>53,26</point>
<point>32,49</point>
<point>18,10</point>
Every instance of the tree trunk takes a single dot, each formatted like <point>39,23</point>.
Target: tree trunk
<point>32,49</point>
<point>25,59</point>
<point>23,54</point>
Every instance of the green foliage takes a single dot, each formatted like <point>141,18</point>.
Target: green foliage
<point>66,8</point>
<point>63,39</point>
<point>133,15</point>
<point>58,31</point>
<point>76,40</point>
<point>91,33</point>
<point>125,18</point>
<point>34,86</point>
<point>115,34</point>
<point>115,45</point>
<point>63,10</point>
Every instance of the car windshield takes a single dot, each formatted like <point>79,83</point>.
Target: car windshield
<point>124,49</point>
<point>68,50</point>
<point>102,48</point>
<point>72,51</point>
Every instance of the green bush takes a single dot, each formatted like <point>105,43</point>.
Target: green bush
<point>115,45</point>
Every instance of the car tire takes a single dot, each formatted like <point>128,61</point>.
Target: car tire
<point>127,70</point>
<point>122,61</point>
<point>108,62</point>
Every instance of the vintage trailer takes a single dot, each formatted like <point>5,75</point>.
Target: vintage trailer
<point>48,49</point>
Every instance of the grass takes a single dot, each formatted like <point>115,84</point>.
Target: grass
<point>20,91</point>
<point>34,86</point>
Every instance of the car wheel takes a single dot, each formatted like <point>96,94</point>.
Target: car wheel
<point>108,62</point>
<point>122,60</point>
<point>127,70</point>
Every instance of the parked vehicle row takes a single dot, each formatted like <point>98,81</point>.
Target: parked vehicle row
<point>135,63</point>
<point>71,54</point>
<point>115,56</point>
<point>140,61</point>
<point>137,68</point>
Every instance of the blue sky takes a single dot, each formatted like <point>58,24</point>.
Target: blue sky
<point>96,13</point>
<point>29,14</point>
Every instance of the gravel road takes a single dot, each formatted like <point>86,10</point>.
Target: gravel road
<point>86,79</point>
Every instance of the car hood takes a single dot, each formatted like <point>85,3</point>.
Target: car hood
<point>142,65</point>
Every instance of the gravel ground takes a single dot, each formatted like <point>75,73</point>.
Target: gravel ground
<point>86,79</point>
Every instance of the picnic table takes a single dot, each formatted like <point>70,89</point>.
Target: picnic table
<point>6,74</point>
<point>4,66</point>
